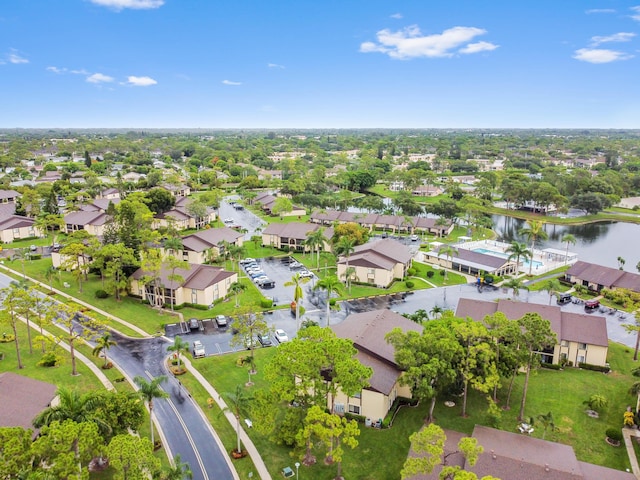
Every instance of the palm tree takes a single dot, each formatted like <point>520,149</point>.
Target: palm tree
<point>551,286</point>
<point>547,423</point>
<point>533,232</point>
<point>621,262</point>
<point>518,250</point>
<point>103,344</point>
<point>149,391</point>
<point>448,251</point>
<point>236,288</point>
<point>179,471</point>
<point>236,252</point>
<point>179,346</point>
<point>349,275</point>
<point>173,245</point>
<point>73,406</point>
<point>345,247</point>
<point>297,281</point>
<point>330,283</point>
<point>237,403</point>
<point>315,240</point>
<point>568,239</point>
<point>515,284</point>
<point>436,311</point>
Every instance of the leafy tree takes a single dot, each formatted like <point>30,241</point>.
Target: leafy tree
<point>75,406</point>
<point>118,260</point>
<point>429,359</point>
<point>536,336</point>
<point>149,391</point>
<point>15,451</point>
<point>67,447</point>
<point>103,344</point>
<point>238,404</point>
<point>249,326</point>
<point>179,471</point>
<point>428,444</point>
<point>132,457</point>
<point>159,200</point>
<point>123,412</point>
<point>297,281</point>
<point>174,264</point>
<point>333,431</point>
<point>197,209</point>
<point>359,235</point>
<point>12,301</point>
<point>76,259</point>
<point>330,284</point>
<point>281,206</point>
<point>236,288</point>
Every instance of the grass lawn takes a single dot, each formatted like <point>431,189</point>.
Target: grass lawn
<point>438,279</point>
<point>558,392</point>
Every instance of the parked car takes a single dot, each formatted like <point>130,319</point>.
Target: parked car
<point>265,340</point>
<point>281,336</point>
<point>295,265</point>
<point>198,349</point>
<point>591,305</point>
<point>221,321</point>
<point>194,324</point>
<point>562,298</point>
<point>414,238</point>
<point>266,283</point>
<point>247,260</point>
<point>229,220</point>
<point>306,274</point>
<point>33,248</point>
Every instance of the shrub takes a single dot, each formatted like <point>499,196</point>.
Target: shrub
<point>411,272</point>
<point>332,302</point>
<point>551,366</point>
<point>430,274</point>
<point>266,303</point>
<point>101,294</point>
<point>409,284</point>
<point>49,359</point>
<point>353,416</point>
<point>35,256</point>
<point>597,402</point>
<point>614,434</point>
<point>7,338</point>
<point>629,419</point>
<point>442,273</point>
<point>597,368</point>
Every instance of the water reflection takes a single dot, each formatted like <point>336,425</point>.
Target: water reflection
<point>600,243</point>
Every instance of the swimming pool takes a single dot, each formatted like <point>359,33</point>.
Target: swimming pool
<point>526,264</point>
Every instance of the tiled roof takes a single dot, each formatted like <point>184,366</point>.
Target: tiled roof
<point>85,218</point>
<point>297,230</point>
<point>383,254</point>
<point>205,239</point>
<point>198,277</point>
<point>22,398</point>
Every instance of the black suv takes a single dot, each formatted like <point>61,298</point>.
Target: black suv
<point>563,298</point>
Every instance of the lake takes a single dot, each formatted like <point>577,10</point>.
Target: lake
<point>601,243</point>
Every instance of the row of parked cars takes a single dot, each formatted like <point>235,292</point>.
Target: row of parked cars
<point>256,274</point>
<point>299,268</point>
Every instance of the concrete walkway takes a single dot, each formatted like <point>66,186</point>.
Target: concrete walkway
<point>629,434</point>
<point>80,302</point>
<point>244,438</point>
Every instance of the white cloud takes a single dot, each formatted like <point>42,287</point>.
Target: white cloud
<point>229,82</point>
<point>616,37</point>
<point>410,43</point>
<point>82,71</point>
<point>397,16</point>
<point>636,13</point>
<point>478,47</point>
<point>133,4</point>
<point>15,58</point>
<point>56,70</point>
<point>600,55</point>
<point>99,78</point>
<point>275,65</point>
<point>140,81</point>
<point>600,10</point>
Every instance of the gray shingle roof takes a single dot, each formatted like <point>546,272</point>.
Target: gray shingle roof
<point>205,239</point>
<point>22,398</point>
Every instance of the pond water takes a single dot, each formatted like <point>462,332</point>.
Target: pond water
<point>601,243</point>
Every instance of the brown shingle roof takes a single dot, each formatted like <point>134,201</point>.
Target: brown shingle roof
<point>22,398</point>
<point>205,239</point>
<point>196,276</point>
<point>383,253</point>
<point>597,274</point>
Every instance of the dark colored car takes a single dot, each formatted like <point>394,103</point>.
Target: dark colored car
<point>563,298</point>
<point>265,340</point>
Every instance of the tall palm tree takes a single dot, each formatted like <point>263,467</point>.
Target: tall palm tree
<point>568,239</point>
<point>103,344</point>
<point>72,405</point>
<point>150,391</point>
<point>349,275</point>
<point>330,284</point>
<point>436,311</point>
<point>551,286</point>
<point>237,403</point>
<point>518,250</point>
<point>236,288</point>
<point>345,246</point>
<point>173,245</point>
<point>448,251</point>
<point>179,346</point>
<point>315,240</point>
<point>515,284</point>
<point>297,281</point>
<point>533,232</point>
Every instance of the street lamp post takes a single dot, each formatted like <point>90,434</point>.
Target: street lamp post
<point>297,464</point>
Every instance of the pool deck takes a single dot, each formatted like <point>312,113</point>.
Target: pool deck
<point>549,261</point>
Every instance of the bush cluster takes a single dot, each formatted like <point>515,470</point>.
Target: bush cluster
<point>597,368</point>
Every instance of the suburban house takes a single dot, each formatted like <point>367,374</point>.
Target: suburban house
<point>267,202</point>
<point>22,398</point>
<point>367,330</point>
<point>513,456</point>
<point>180,218</point>
<point>391,223</point>
<point>291,236</point>
<point>427,191</point>
<point>8,196</point>
<point>378,263</point>
<point>596,277</point>
<point>199,285</point>
<point>582,337</point>
<point>177,190</point>
<point>109,193</point>
<point>15,227</point>
<point>93,221</point>
<point>199,246</point>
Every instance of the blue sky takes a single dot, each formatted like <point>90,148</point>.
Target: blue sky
<point>320,64</point>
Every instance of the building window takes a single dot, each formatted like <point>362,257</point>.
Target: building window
<point>338,408</point>
<point>357,395</point>
<point>583,346</point>
<point>355,409</point>
<point>564,343</point>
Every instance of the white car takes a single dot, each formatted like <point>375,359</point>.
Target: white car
<point>229,220</point>
<point>414,238</point>
<point>306,274</point>
<point>281,336</point>
<point>198,349</point>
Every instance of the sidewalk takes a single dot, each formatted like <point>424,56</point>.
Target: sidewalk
<point>629,436</point>
<point>244,438</point>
